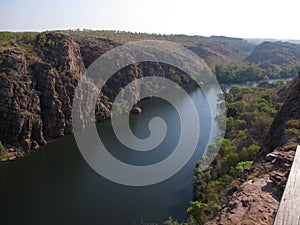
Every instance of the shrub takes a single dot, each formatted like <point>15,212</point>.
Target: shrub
<point>249,153</point>
<point>176,79</point>
<point>198,211</point>
<point>240,167</point>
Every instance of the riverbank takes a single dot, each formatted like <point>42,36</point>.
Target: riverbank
<point>255,83</point>
<point>11,153</point>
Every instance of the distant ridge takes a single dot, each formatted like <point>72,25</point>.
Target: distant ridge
<point>261,40</point>
<point>275,55</point>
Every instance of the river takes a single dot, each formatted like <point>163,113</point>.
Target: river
<point>56,186</point>
<point>255,83</point>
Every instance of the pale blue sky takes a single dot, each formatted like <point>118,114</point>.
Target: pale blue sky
<point>235,18</point>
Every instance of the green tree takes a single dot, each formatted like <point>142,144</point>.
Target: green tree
<point>242,137</point>
<point>171,221</point>
<point>250,153</point>
<point>198,212</point>
<point>229,156</point>
<point>240,167</point>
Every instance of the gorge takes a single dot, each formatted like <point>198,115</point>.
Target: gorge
<point>38,75</point>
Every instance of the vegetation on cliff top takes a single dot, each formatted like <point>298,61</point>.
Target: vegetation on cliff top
<point>236,55</point>
<point>233,59</point>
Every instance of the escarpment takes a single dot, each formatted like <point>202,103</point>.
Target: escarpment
<point>21,124</point>
<point>56,79</point>
<point>37,94</point>
<point>38,80</point>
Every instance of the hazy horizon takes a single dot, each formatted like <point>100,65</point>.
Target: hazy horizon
<point>248,19</point>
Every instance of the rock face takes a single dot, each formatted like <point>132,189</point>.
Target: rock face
<point>13,61</point>
<point>56,80</point>
<point>37,86</point>
<point>257,200</point>
<point>54,100</point>
<point>283,131</point>
<point>36,96</point>
<point>61,51</point>
<point>136,110</point>
<point>252,204</point>
<point>21,123</point>
<point>94,47</point>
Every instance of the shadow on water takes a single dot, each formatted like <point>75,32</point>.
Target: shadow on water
<point>56,186</point>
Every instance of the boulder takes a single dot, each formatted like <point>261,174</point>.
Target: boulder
<point>136,110</point>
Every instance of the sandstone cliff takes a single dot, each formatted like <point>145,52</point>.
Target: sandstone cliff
<point>37,92</point>
<point>38,80</point>
<point>20,108</point>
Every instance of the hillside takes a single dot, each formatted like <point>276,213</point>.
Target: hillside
<point>215,50</point>
<point>274,57</point>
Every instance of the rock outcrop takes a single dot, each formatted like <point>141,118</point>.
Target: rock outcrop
<point>36,96</point>
<point>283,131</point>
<point>91,48</point>
<point>56,79</point>
<point>21,123</point>
<point>54,99</point>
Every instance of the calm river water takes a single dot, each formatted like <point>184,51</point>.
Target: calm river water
<point>55,186</point>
